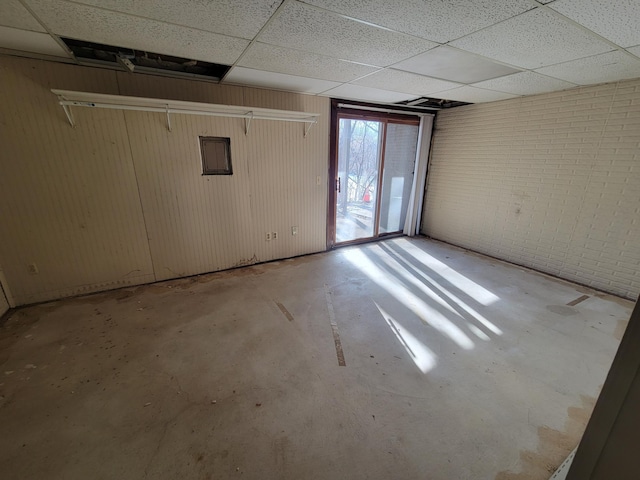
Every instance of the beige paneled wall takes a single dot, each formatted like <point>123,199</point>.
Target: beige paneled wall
<point>195,223</point>
<point>69,202</point>
<point>120,200</point>
<point>176,89</point>
<point>550,181</point>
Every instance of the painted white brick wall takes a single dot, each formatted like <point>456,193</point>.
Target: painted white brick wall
<point>551,182</point>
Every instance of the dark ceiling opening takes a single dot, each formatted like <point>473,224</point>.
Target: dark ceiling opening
<point>143,62</point>
<point>435,103</point>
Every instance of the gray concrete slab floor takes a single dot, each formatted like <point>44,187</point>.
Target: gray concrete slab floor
<point>457,366</point>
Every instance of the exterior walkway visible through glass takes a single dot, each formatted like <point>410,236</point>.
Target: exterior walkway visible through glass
<point>356,222</point>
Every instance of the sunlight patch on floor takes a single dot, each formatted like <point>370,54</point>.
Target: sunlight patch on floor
<point>417,305</point>
<point>421,355</point>
<point>477,292</point>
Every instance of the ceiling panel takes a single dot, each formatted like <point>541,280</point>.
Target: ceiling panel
<point>534,39</point>
<point>525,83</point>
<point>406,82</point>
<point>607,67</point>
<point>431,19</point>
<point>278,81</point>
<point>373,50</point>
<point>312,30</point>
<point>455,65</point>
<point>27,41</point>
<point>13,14</point>
<point>295,62</point>
<point>473,95</point>
<point>616,21</point>
<point>228,17</point>
<point>357,92</point>
<point>96,25</point>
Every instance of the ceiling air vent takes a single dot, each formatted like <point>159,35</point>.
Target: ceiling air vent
<point>138,61</point>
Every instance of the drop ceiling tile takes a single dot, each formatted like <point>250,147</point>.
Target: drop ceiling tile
<point>608,67</point>
<point>534,39</point>
<point>27,41</point>
<point>227,17</point>
<point>278,81</point>
<point>616,21</point>
<point>356,92</point>
<point>434,20</point>
<point>102,26</point>
<point>313,30</point>
<point>405,82</point>
<point>455,65</point>
<point>524,83</point>
<point>295,62</point>
<point>13,14</point>
<point>473,95</point>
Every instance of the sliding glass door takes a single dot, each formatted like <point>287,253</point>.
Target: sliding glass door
<point>357,183</point>
<point>373,175</point>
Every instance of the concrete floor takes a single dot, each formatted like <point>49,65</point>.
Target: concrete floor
<point>457,366</point>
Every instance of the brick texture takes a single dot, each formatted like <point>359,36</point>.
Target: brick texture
<point>551,182</point>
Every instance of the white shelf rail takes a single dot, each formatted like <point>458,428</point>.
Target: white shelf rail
<point>68,99</point>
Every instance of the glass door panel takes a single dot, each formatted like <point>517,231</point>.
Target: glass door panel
<point>397,175</point>
<point>359,153</point>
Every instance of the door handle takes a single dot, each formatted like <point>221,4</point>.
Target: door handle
<point>338,184</point>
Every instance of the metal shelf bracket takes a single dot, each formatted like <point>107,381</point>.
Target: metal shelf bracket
<point>308,126</point>
<point>67,111</point>
<point>247,123</point>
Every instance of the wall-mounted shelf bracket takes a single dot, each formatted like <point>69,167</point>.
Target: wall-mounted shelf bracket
<point>308,126</point>
<point>67,111</point>
<point>247,123</point>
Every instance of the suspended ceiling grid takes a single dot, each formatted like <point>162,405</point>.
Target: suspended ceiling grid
<point>372,50</point>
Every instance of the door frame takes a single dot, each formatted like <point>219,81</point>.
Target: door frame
<point>385,117</point>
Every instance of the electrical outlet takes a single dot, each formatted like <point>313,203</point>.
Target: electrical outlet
<point>32,268</point>
<point>318,180</point>
<point>294,230</point>
<point>274,235</point>
<point>268,236</point>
